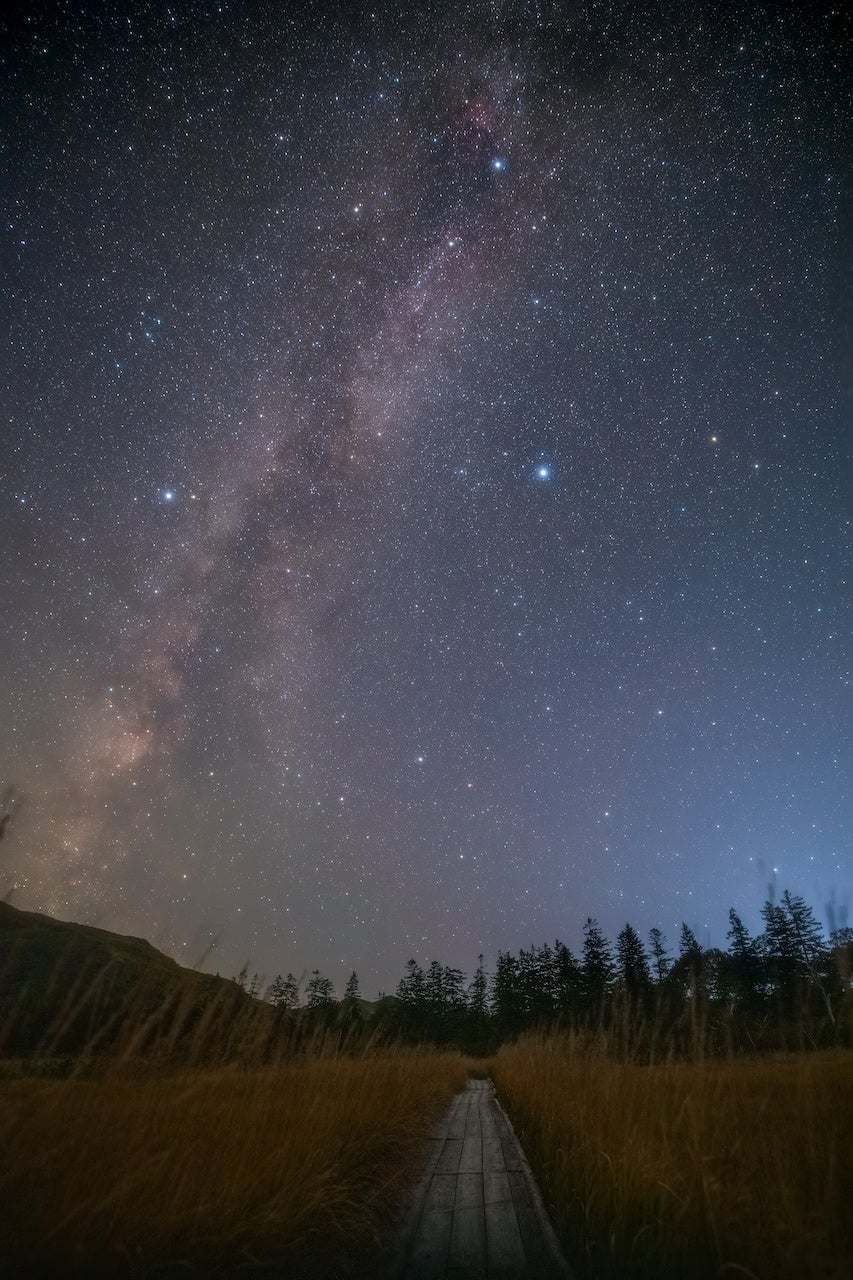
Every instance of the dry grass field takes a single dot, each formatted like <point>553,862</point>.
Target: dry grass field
<point>682,1171</point>
<point>676,1171</point>
<point>214,1173</point>
<point>199,1133</point>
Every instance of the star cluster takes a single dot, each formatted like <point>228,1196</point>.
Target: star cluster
<point>422,510</point>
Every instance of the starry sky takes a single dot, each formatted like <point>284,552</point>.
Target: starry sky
<point>424,514</point>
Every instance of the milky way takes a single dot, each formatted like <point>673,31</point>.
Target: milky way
<point>422,513</point>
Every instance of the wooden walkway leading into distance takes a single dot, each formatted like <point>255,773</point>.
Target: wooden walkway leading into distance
<point>477,1214</point>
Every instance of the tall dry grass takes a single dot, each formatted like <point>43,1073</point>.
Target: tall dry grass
<point>683,1170</point>
<point>215,1173</point>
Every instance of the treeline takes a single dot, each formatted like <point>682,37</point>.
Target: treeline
<point>787,988</point>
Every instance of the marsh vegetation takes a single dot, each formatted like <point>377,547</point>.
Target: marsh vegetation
<point>160,1122</point>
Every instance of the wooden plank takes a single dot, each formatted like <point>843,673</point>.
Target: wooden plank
<point>479,1215</point>
<point>441,1196</point>
<point>451,1153</point>
<point>512,1156</point>
<point>401,1249</point>
<point>545,1259</point>
<point>505,1257</point>
<point>509,1144</point>
<point>496,1188</point>
<point>525,1210</point>
<point>542,1261</point>
<point>473,1127</point>
<point>467,1257</point>
<point>488,1121</point>
<point>432,1150</point>
<point>456,1127</point>
<point>469,1191</point>
<point>493,1155</point>
<point>471,1160</point>
<point>430,1248</point>
<point>468,1235</point>
<point>441,1129</point>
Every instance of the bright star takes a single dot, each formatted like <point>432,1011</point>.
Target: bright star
<point>169,495</point>
<point>543,472</point>
<point>498,163</point>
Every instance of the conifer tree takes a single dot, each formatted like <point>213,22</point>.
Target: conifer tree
<point>434,991</point>
<point>690,962</point>
<point>568,980</point>
<point>506,1003</point>
<point>808,937</point>
<point>546,995</point>
<point>632,961</point>
<point>284,993</point>
<point>478,995</point>
<point>453,989</point>
<point>809,943</point>
<point>661,959</point>
<point>779,950</point>
<point>411,987</point>
<point>319,992</point>
<point>411,992</point>
<point>745,967</point>
<point>597,967</point>
<point>688,944</point>
<point>351,1014</point>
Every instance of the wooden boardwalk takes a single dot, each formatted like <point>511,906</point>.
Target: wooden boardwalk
<point>477,1214</point>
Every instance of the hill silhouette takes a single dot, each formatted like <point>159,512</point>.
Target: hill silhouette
<point>71,989</point>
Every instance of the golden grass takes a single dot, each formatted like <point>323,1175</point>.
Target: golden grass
<point>684,1170</point>
<point>673,1171</point>
<point>214,1172</point>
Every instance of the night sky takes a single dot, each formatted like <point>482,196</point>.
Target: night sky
<point>424,514</point>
